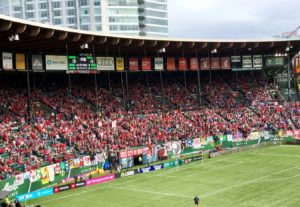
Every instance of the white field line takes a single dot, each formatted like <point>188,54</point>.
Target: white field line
<point>247,182</point>
<point>275,155</point>
<point>151,192</point>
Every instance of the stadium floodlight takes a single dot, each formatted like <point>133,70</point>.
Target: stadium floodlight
<point>84,46</point>
<point>162,50</point>
<point>17,37</point>
<point>14,37</point>
<point>214,51</point>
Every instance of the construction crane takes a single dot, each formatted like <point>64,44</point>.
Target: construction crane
<point>291,34</point>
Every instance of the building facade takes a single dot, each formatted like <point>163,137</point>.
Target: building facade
<point>131,17</point>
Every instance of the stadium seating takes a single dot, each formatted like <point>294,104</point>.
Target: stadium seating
<point>154,115</point>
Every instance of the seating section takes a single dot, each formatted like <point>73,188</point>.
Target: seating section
<point>65,125</point>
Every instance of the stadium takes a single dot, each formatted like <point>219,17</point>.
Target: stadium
<point>93,119</point>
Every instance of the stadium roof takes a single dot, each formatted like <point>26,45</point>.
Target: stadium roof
<point>43,38</point>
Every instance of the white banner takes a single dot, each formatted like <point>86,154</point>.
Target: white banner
<point>247,61</point>
<point>158,63</point>
<point>54,62</point>
<point>257,61</point>
<point>7,61</point>
<point>105,63</point>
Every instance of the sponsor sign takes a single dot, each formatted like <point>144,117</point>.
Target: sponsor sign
<point>197,143</point>
<point>257,61</point>
<point>158,63</point>
<point>236,62</point>
<point>274,61</point>
<point>80,184</point>
<point>215,63</point>
<point>204,64</point>
<point>120,64</point>
<point>7,61</point>
<point>133,64</point>
<point>146,64</point>
<point>247,61</point>
<point>37,62</point>
<point>147,169</point>
<point>35,194</point>
<point>225,63</point>
<point>158,167</point>
<point>194,64</point>
<point>171,64</point>
<point>20,61</point>
<point>54,62</point>
<point>182,64</point>
<point>105,63</point>
<point>102,179</point>
<point>128,173</point>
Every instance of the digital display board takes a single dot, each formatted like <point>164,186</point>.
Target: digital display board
<point>83,63</point>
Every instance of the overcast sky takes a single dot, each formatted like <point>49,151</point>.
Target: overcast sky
<point>232,19</point>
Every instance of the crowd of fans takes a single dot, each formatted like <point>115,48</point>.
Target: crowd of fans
<point>91,118</point>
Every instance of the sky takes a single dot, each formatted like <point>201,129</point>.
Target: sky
<point>232,19</point>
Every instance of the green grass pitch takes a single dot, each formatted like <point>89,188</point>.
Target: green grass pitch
<point>260,177</point>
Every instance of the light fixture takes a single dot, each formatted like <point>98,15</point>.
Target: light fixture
<point>14,37</point>
<point>84,46</point>
<point>162,50</point>
<point>17,37</point>
<point>214,51</point>
<point>249,48</point>
<point>287,49</point>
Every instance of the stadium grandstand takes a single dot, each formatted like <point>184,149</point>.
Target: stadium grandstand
<point>71,97</point>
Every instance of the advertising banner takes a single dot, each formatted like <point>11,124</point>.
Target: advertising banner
<point>274,61</point>
<point>105,63</point>
<point>197,143</point>
<point>54,62</point>
<point>247,61</point>
<point>120,64</point>
<point>133,64</point>
<point>194,64</point>
<point>171,64</point>
<point>35,194</point>
<point>225,63</point>
<point>44,175</point>
<point>182,64</point>
<point>158,64</point>
<point>236,62</point>
<point>215,63</point>
<point>205,63</point>
<point>37,63</point>
<point>20,61</point>
<point>7,61</point>
<point>146,64</point>
<point>257,61</point>
<point>102,179</point>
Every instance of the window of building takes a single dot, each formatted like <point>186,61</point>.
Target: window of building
<point>98,19</point>
<point>71,3</point>
<point>17,8</point>
<point>56,5</point>
<point>84,27</point>
<point>29,15</point>
<point>71,12</point>
<point>57,13</point>
<point>98,27</point>
<point>97,3</point>
<point>57,21</point>
<point>84,3</point>
<point>71,20</point>
<point>29,6</point>
<point>43,14</point>
<point>43,5</point>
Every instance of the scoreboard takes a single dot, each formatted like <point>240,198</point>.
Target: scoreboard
<point>83,63</point>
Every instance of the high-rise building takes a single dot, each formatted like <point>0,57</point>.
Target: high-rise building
<point>132,17</point>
